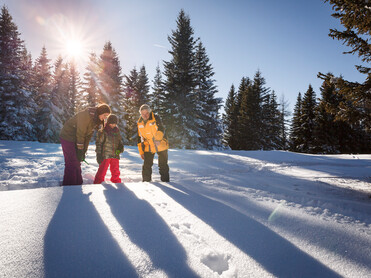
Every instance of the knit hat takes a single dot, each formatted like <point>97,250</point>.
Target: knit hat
<point>145,107</point>
<point>102,109</point>
<point>112,119</point>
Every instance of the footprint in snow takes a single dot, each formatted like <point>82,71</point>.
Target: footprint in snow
<point>216,262</point>
<point>162,205</point>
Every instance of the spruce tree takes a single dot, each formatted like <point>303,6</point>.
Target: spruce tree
<point>246,138</point>
<point>334,134</point>
<point>207,104</point>
<point>308,120</point>
<point>296,134</point>
<point>60,95</point>
<point>157,98</point>
<point>79,103</point>
<point>42,86</point>
<point>271,123</point>
<point>136,89</point>
<point>284,123</point>
<point>251,120</point>
<point>110,80</point>
<point>355,16</point>
<point>27,106</point>
<point>91,81</point>
<point>16,104</point>
<point>326,131</point>
<point>133,101</point>
<point>143,86</point>
<point>230,121</point>
<point>180,120</point>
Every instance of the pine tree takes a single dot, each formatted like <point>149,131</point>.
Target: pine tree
<point>207,104</point>
<point>326,132</point>
<point>246,138</point>
<point>54,107</point>
<point>296,134</point>
<point>143,86</point>
<point>16,104</point>
<point>27,111</point>
<point>230,120</point>
<point>136,90</point>
<point>60,95</point>
<point>133,101</point>
<point>91,81</point>
<point>157,98</point>
<point>271,123</point>
<point>42,87</point>
<point>180,120</point>
<point>284,123</point>
<point>308,120</point>
<point>110,80</point>
<point>333,134</point>
<point>251,120</point>
<point>355,16</point>
<point>79,102</point>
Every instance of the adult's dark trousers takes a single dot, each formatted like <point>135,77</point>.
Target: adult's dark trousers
<point>72,168</point>
<point>162,166</point>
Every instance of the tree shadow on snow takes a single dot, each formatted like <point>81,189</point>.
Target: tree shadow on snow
<point>276,254</point>
<point>148,231</point>
<point>77,243</point>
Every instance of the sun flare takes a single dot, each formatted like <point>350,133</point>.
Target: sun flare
<point>74,48</point>
<point>74,39</point>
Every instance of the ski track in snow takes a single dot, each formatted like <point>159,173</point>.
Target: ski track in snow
<point>224,213</point>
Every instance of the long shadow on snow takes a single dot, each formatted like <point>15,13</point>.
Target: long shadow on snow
<point>273,252</point>
<point>78,244</point>
<point>313,162</point>
<point>148,231</point>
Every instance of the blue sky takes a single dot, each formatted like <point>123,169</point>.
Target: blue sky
<point>286,40</point>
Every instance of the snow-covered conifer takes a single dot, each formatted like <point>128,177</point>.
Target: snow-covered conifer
<point>180,120</point>
<point>207,104</point>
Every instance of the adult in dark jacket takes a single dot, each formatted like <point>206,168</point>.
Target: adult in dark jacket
<point>151,140</point>
<point>75,137</point>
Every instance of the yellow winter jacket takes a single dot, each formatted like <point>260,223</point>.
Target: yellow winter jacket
<point>151,135</point>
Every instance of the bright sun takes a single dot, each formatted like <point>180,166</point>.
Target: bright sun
<point>74,48</point>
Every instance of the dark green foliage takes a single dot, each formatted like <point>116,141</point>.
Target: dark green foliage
<point>181,105</point>
<point>252,120</point>
<point>208,105</point>
<point>16,104</point>
<point>355,105</point>
<point>355,16</point>
<point>136,91</point>
<point>308,108</point>
<point>158,96</point>
<point>42,88</point>
<point>230,120</point>
<point>272,123</point>
<point>284,123</point>
<point>296,139</point>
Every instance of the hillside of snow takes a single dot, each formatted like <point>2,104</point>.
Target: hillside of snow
<point>224,214</point>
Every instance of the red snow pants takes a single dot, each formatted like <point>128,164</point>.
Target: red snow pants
<point>113,163</point>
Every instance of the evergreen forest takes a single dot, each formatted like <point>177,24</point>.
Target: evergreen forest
<point>37,96</point>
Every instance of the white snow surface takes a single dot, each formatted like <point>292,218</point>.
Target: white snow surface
<point>224,214</point>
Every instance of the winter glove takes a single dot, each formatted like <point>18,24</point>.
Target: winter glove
<point>120,149</point>
<point>80,154</point>
<point>99,158</point>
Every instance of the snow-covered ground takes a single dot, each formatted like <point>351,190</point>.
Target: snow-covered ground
<point>224,214</point>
